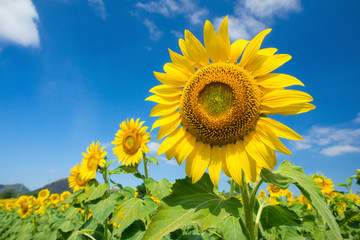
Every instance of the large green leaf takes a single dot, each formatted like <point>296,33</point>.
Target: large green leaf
<point>191,203</point>
<point>232,229</point>
<point>129,210</point>
<point>103,208</point>
<point>96,191</point>
<point>159,189</point>
<point>277,215</point>
<point>307,187</point>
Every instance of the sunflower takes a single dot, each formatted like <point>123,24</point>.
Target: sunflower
<point>224,93</point>
<point>65,195</point>
<point>275,191</point>
<point>25,206</point>
<point>92,159</point>
<point>76,179</point>
<point>327,186</point>
<point>130,142</point>
<point>43,194</point>
<point>262,194</point>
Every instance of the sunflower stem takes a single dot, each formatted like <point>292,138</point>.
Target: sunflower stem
<point>257,221</point>
<point>107,193</point>
<point>253,193</point>
<point>232,186</point>
<point>248,209</point>
<point>146,173</point>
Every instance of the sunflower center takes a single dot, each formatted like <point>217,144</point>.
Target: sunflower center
<point>132,142</point>
<point>80,181</point>
<point>92,163</point>
<point>220,104</point>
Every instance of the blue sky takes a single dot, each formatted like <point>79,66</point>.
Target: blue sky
<point>71,71</point>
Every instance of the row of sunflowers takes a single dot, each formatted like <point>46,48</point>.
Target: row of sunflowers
<point>214,102</point>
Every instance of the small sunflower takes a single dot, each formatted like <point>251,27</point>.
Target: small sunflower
<point>224,93</point>
<point>76,179</point>
<point>327,186</point>
<point>130,142</point>
<point>43,194</point>
<point>25,206</point>
<point>65,195</point>
<point>274,190</point>
<point>262,194</point>
<point>92,159</point>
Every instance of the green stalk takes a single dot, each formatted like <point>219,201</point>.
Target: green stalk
<point>257,221</point>
<point>146,173</point>
<point>107,193</point>
<point>249,222</point>
<point>253,193</point>
<point>232,186</point>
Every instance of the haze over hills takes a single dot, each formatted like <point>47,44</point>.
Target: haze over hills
<point>57,186</point>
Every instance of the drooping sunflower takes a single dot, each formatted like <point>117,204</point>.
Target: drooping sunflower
<point>76,179</point>
<point>130,142</point>
<point>327,186</point>
<point>214,103</point>
<point>92,159</point>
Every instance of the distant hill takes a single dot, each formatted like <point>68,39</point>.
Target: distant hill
<point>16,187</point>
<point>58,186</point>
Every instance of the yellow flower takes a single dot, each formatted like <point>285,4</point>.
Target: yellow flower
<point>272,200</point>
<point>289,195</point>
<point>76,179</point>
<point>155,199</point>
<point>262,194</point>
<point>65,195</point>
<point>305,202</point>
<point>327,186</point>
<point>43,194</point>
<point>340,207</point>
<point>25,206</point>
<point>353,197</point>
<point>92,159</point>
<point>130,142</point>
<point>223,105</point>
<point>54,198</point>
<point>274,190</point>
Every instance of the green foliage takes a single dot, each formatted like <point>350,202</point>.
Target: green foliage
<point>158,189</point>
<point>8,193</point>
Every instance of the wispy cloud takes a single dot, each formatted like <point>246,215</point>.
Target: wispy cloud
<point>252,16</point>
<point>99,8</point>
<point>331,141</point>
<point>153,147</point>
<point>171,162</point>
<point>357,119</point>
<point>155,33</point>
<point>18,23</point>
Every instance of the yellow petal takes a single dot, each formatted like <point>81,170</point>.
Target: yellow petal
<point>211,42</point>
<point>237,49</point>
<point>267,51</point>
<point>171,140</point>
<point>166,91</point>
<point>281,98</point>
<point>224,40</point>
<point>279,129</point>
<point>166,119</point>
<point>164,100</point>
<point>289,109</point>
<point>253,47</point>
<point>277,80</point>
<point>233,163</point>
<point>215,165</point>
<point>195,49</point>
<point>200,161</point>
<point>182,61</point>
<point>175,70</point>
<point>168,128</point>
<point>184,147</point>
<point>170,79</point>
<point>245,163</point>
<point>272,63</point>
<point>224,167</point>
<point>269,138</point>
<point>161,109</point>
<point>262,154</point>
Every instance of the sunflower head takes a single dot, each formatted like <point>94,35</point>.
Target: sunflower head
<point>25,206</point>
<point>92,159</point>
<point>130,142</point>
<point>326,185</point>
<point>214,101</point>
<point>77,180</point>
<point>65,195</point>
<point>274,190</point>
<point>43,194</point>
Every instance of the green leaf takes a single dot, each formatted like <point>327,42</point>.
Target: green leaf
<point>342,185</point>
<point>107,164</point>
<point>153,160</point>
<point>232,229</point>
<point>307,187</point>
<point>67,226</point>
<point>139,175</point>
<point>159,189</point>
<point>277,179</point>
<point>134,232</point>
<point>277,215</point>
<point>103,208</point>
<point>291,233</point>
<point>96,191</point>
<point>125,169</point>
<point>129,210</point>
<point>191,203</point>
<point>117,184</point>
<point>128,192</point>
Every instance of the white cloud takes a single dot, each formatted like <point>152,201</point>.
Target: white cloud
<point>106,145</point>
<point>171,162</point>
<point>153,147</point>
<point>198,17</point>
<point>18,23</point>
<point>177,34</point>
<point>357,119</point>
<point>339,150</point>
<point>155,33</point>
<point>99,7</point>
<point>252,16</point>
<point>331,141</point>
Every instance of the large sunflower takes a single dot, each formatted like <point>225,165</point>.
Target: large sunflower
<point>224,93</point>
<point>130,142</point>
<point>92,159</point>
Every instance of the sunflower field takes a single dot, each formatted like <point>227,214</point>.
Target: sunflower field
<point>215,103</point>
